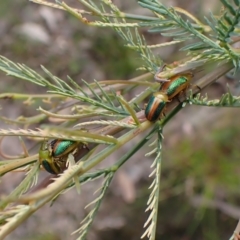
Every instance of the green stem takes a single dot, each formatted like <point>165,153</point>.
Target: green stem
<point>130,153</point>
<point>172,113</point>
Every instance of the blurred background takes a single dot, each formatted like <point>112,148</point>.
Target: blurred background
<point>200,194</point>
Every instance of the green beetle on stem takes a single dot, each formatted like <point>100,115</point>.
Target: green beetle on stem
<point>156,105</point>
<point>176,85</point>
<point>169,89</point>
<point>54,155</point>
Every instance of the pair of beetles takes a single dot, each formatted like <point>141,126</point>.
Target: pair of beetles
<point>168,90</point>
<point>54,155</point>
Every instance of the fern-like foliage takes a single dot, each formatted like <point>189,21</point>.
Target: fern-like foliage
<point>59,86</point>
<point>227,100</point>
<point>154,195</point>
<point>87,221</point>
<point>226,26</point>
<point>29,181</point>
<point>171,24</point>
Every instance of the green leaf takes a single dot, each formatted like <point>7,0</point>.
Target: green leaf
<point>229,7</point>
<point>194,46</point>
<point>211,25</point>
<point>174,34</point>
<point>228,19</point>
<point>237,2</point>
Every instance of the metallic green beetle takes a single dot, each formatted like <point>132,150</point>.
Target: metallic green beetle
<point>176,85</point>
<point>156,105</point>
<point>53,155</point>
<point>168,90</point>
